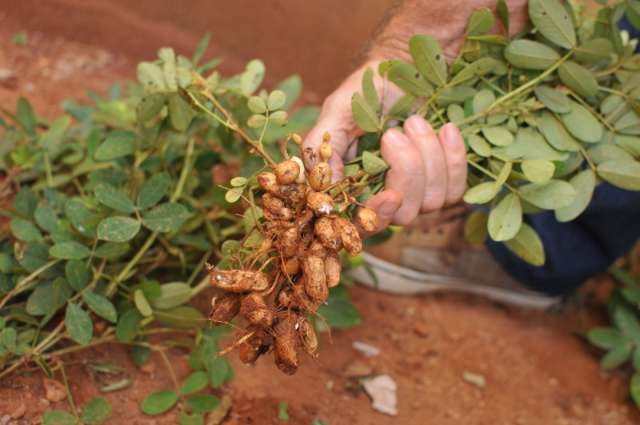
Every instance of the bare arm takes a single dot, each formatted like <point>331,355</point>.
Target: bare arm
<point>446,20</point>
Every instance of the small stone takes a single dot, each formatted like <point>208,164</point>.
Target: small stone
<point>382,390</point>
<point>54,391</point>
<point>357,369</point>
<point>366,349</point>
<point>421,330</point>
<point>474,379</point>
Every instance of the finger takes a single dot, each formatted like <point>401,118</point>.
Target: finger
<point>456,159</point>
<point>430,150</point>
<point>335,120</point>
<point>406,174</point>
<point>385,204</point>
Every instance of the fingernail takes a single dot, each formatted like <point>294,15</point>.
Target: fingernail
<point>451,135</point>
<point>417,125</point>
<point>395,137</point>
<point>387,209</point>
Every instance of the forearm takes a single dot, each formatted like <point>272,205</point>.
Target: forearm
<point>446,20</point>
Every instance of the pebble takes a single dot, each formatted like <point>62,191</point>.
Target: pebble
<point>54,390</point>
<point>357,368</point>
<point>366,349</point>
<point>382,390</point>
<point>474,379</point>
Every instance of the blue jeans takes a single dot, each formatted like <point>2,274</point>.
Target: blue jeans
<point>581,248</point>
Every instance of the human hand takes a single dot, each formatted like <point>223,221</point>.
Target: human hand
<point>427,172</point>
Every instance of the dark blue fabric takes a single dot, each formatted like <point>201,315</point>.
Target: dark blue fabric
<point>581,248</point>
<point>584,247</point>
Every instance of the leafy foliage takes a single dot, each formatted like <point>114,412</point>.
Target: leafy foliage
<point>621,340</point>
<point>546,115</point>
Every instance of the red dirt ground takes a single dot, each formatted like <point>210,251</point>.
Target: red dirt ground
<point>537,370</point>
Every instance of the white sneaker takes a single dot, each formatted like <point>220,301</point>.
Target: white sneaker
<point>416,262</point>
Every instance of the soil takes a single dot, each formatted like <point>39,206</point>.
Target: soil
<point>537,369</point>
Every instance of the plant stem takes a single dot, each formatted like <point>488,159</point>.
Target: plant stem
<point>21,286</point>
<point>230,124</point>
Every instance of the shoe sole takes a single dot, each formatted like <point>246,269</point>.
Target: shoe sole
<point>394,279</point>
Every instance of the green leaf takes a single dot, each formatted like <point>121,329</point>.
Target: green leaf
<point>556,134</point>
<point>48,297</point>
<point>616,357</point>
<point>339,312</point>
<point>550,195</point>
<point>252,77</point>
<point>80,216</point>
<point>502,9</point>
<point>78,323</point>
<point>578,79</point>
<point>291,87</point>
<point>141,303</point>
<point>481,193</point>
<point>181,317</point>
<point>150,106</point>
<point>193,419</point>
<point>172,295</point>
<point>25,230</point>
<point>119,143</point>
<point>112,250</point>
<point>256,121</point>
<point>596,50</point>
<point>480,22</point>
<point>407,77</point>
<point>239,181</point>
<point>476,69</point>
<point>58,417</point>
<point>180,112</point>
<point>118,229</point>
<point>96,411</point>
<point>528,54</point>
<point>527,245</point>
<point>283,411</point>
<point>166,218</point>
<point>634,388</point>
<point>373,164</point>
<point>584,184</point>
<point>219,370</point>
<point>552,21</point>
<point>369,90</point>
<point>100,305</point>
<point>505,219</point>
<point>128,325</point>
<point>582,124</point>
<point>479,145</point>
<point>159,402</point>
<point>26,116</point>
<point>498,136</point>
<point>626,320</point>
<point>538,170</point>
<point>429,58</point>
<point>482,101</point>
<point>151,76</point>
<point>363,115</point>
<point>605,338</point>
<point>257,105</point>
<point>624,174</point>
<point>553,99</point>
<point>114,199</point>
<point>279,118</point>
<point>201,49</point>
<point>233,195</point>
<point>46,218</point>
<point>25,202</point>
<point>195,382</point>
<point>153,190</point>
<point>202,403</point>
<point>69,251</point>
<point>629,123</point>
<point>475,227</point>
<point>603,152</point>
